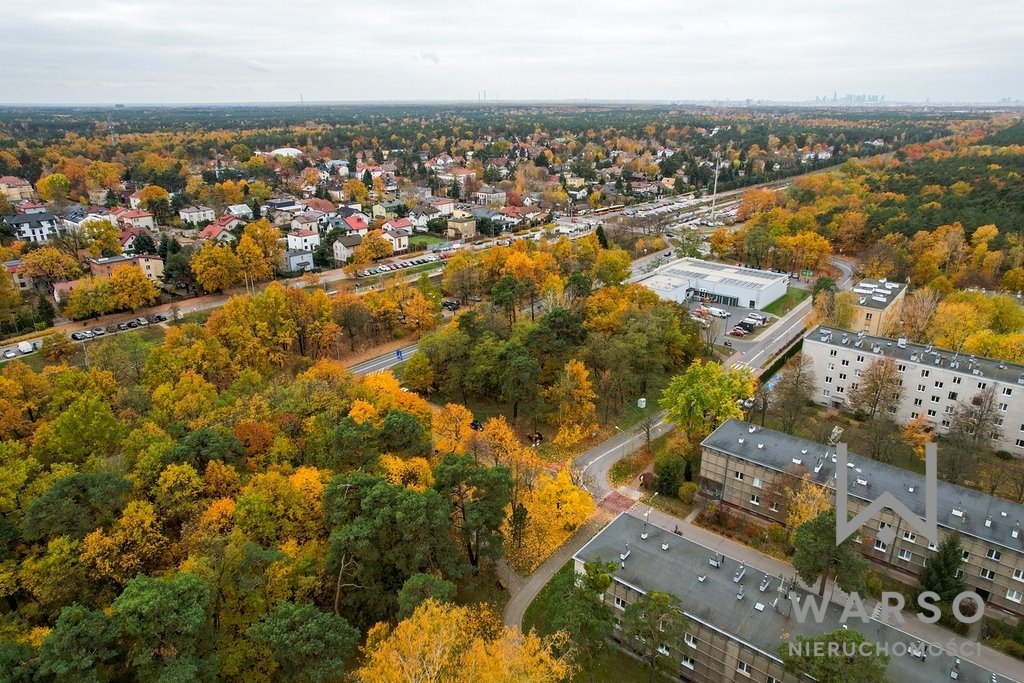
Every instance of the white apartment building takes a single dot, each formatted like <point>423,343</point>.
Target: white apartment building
<point>934,380</point>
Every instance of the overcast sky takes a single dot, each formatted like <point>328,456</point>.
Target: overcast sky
<point>135,51</point>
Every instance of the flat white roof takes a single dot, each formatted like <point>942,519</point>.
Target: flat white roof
<point>691,271</point>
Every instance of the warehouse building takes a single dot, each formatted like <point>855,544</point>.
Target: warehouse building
<point>748,467</point>
<point>737,613</point>
<point>691,279</point>
<point>934,381</point>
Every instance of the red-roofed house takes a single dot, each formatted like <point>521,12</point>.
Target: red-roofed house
<point>132,218</point>
<point>317,204</point>
<point>128,236</point>
<point>14,268</point>
<point>216,233</point>
<point>357,224</point>
<point>30,206</point>
<point>398,224</point>
<point>15,189</point>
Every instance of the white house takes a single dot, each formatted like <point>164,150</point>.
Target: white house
<point>445,205</point>
<point>196,214</point>
<point>303,240</point>
<point>398,224</point>
<point>240,211</point>
<point>345,245</point>
<point>131,218</point>
<point>34,227</point>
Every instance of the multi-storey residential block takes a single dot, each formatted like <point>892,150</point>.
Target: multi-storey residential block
<point>878,304</point>
<point>34,227</point>
<point>934,380</point>
<point>150,264</point>
<point>747,467</point>
<point>738,614</point>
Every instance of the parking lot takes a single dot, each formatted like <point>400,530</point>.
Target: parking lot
<point>398,265</point>
<point>724,325</point>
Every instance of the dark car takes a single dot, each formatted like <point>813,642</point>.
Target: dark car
<point>476,425</point>
<point>77,336</point>
<point>132,324</point>
<point>160,318</point>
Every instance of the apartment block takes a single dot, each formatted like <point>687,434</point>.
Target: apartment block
<point>934,380</point>
<point>737,613</point>
<point>878,304</point>
<point>746,466</point>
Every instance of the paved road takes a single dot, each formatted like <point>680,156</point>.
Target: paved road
<point>385,362</point>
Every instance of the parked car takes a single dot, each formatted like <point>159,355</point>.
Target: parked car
<point>142,321</point>
<point>122,326</point>
<point>132,324</point>
<point>24,347</point>
<point>77,336</point>
<point>87,334</point>
<point>98,331</point>
<point>9,354</point>
<point>160,318</point>
<point>738,332</point>
<point>718,312</point>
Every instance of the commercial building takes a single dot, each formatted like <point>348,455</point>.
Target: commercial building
<point>934,381</point>
<point>746,467</point>
<point>877,305</point>
<point>690,278</point>
<point>738,614</point>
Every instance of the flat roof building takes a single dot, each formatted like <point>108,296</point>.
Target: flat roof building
<point>746,466</point>
<point>934,380</point>
<point>877,306</point>
<point>690,278</point>
<point>738,613</point>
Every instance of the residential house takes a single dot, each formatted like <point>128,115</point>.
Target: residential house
<point>21,280</point>
<point>490,196</point>
<point>345,245</point>
<point>398,224</point>
<point>76,214</point>
<point>746,466</point>
<point>422,214</point>
<point>294,260</point>
<point>34,227</point>
<point>462,227</point>
<point>303,240</point>
<point>197,214</point>
<point>132,218</point>
<point>30,206</point>
<point>399,239</point>
<point>358,224</point>
<point>308,220</point>
<point>129,235</point>
<point>135,200</point>
<point>739,613</point>
<point>316,204</point>
<point>150,264</point>
<point>242,211</point>
<point>445,205</point>
<point>217,233</point>
<point>15,189</point>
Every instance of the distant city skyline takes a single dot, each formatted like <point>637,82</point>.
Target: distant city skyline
<point>194,52</point>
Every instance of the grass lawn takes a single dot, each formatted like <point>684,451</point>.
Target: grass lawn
<point>612,666</point>
<point>425,240</point>
<point>483,588</point>
<point>786,303</point>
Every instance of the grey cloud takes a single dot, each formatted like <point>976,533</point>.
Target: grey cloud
<point>195,50</point>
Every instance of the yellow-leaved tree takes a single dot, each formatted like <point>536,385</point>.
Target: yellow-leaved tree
<point>447,643</point>
<point>571,399</point>
<point>452,431</point>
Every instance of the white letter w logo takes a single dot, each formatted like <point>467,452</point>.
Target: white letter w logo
<point>927,527</point>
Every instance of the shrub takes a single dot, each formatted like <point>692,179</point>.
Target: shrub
<point>668,471</point>
<point>687,492</point>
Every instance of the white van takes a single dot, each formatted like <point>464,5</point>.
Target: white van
<point>24,347</point>
<point>718,312</point>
